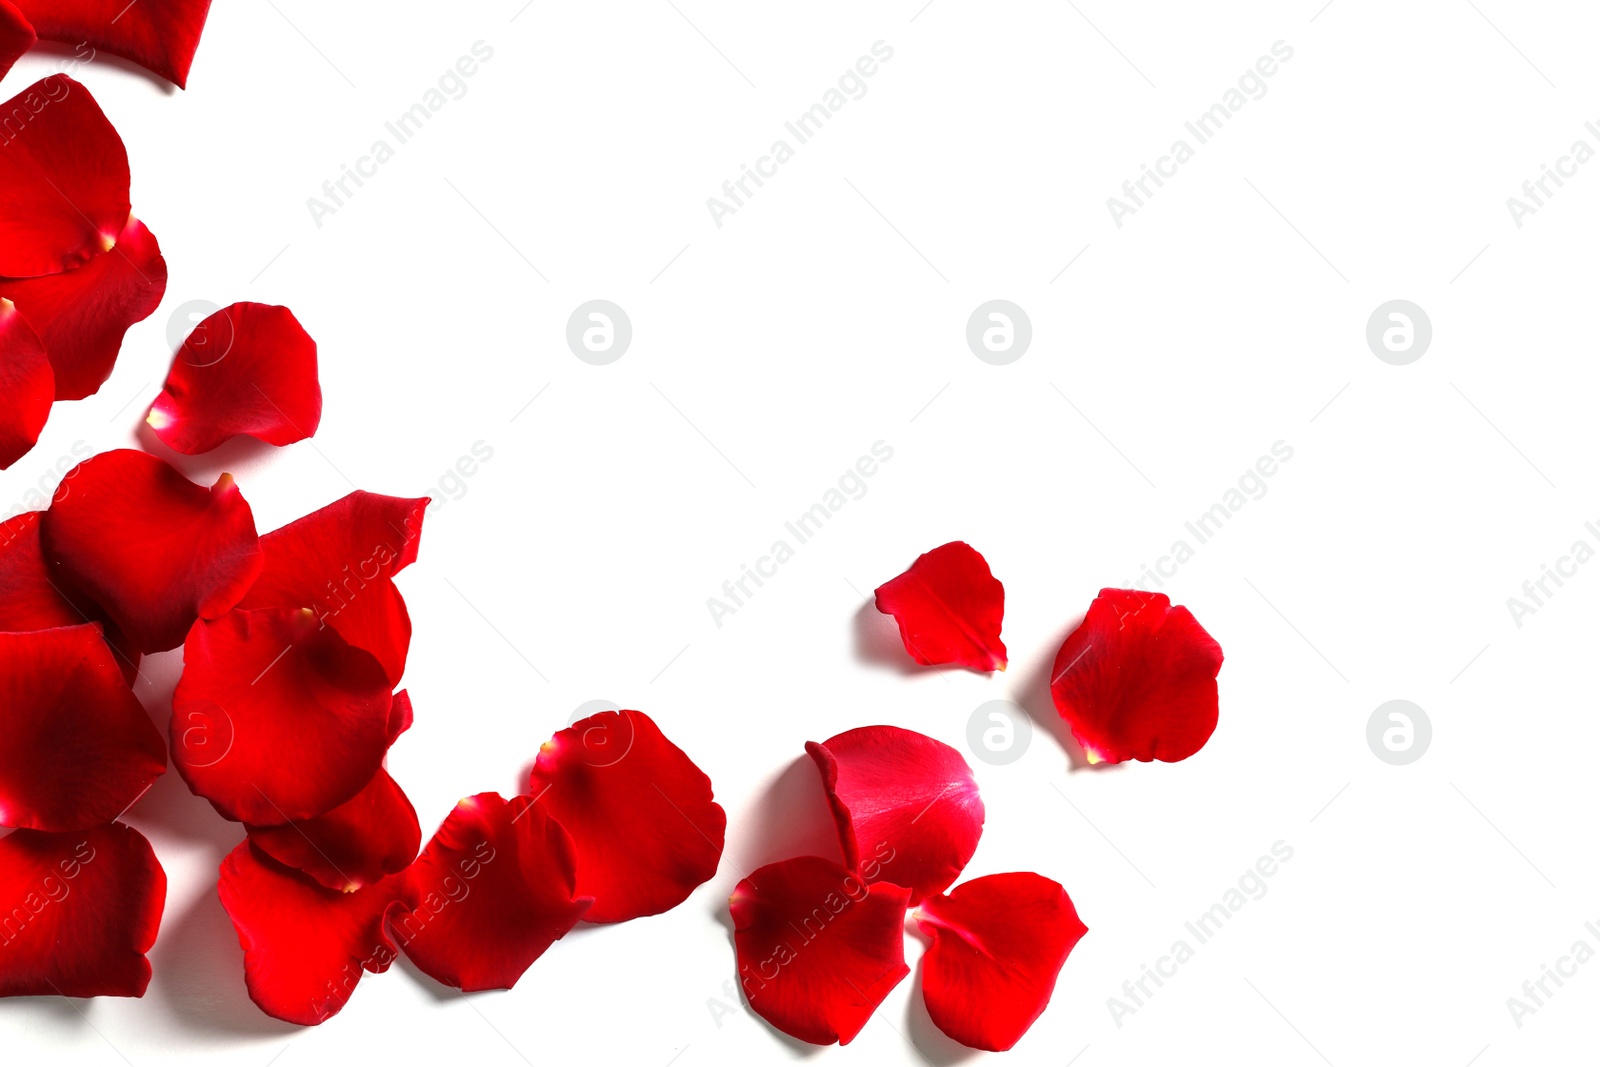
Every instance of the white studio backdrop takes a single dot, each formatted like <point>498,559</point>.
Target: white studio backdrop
<point>588,512</point>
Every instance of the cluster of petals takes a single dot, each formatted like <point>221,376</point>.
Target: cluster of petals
<point>159,35</point>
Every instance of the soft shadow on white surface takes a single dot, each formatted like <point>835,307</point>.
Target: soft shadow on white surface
<point>1033,696</point>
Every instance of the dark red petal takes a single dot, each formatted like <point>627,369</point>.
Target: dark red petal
<point>998,944</point>
<point>639,811</point>
<point>340,562</point>
<point>27,385</point>
<point>82,909</point>
<point>247,369</point>
<point>82,314</point>
<point>159,35</point>
<point>949,608</point>
<point>907,806</point>
<point>374,833</point>
<point>400,715</point>
<point>277,719</point>
<point>63,178</point>
<point>818,949</point>
<point>1137,679</point>
<point>149,546</point>
<point>305,946</point>
<point>77,746</point>
<point>16,36</point>
<point>492,891</point>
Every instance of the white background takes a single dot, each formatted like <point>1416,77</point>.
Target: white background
<point>828,314</point>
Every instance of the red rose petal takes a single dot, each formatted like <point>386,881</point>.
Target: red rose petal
<point>1137,679</point>
<point>998,944</point>
<point>82,910</point>
<point>907,806</point>
<point>63,179</point>
<point>305,946</point>
<point>27,385</point>
<point>159,35</point>
<point>818,949</point>
<point>949,608</point>
<point>247,369</point>
<point>16,36</point>
<point>82,314</point>
<point>400,715</point>
<point>492,891</point>
<point>291,720</point>
<point>149,546</point>
<point>373,834</point>
<point>640,813</point>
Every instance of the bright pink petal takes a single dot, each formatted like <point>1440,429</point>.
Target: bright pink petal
<point>247,369</point>
<point>639,811</point>
<point>82,909</point>
<point>907,806</point>
<point>27,385</point>
<point>1137,679</point>
<point>949,608</point>
<point>998,944</point>
<point>159,35</point>
<point>818,948</point>
<point>16,36</point>
<point>373,834</point>
<point>492,891</point>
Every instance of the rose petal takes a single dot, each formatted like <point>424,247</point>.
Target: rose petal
<point>998,944</point>
<point>373,834</point>
<point>82,314</point>
<point>16,36</point>
<point>818,949</point>
<point>63,179</point>
<point>150,547</point>
<point>1137,679</point>
<point>82,910</point>
<point>277,719</point>
<point>491,892</point>
<point>305,946</point>
<point>247,369</point>
<point>639,811</point>
<point>27,385</point>
<point>400,715</point>
<point>949,608</point>
<point>907,806</point>
<point>159,35</point>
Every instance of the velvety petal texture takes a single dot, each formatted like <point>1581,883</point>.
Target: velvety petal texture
<point>373,834</point>
<point>949,608</point>
<point>818,948</point>
<point>247,369</point>
<point>639,811</point>
<point>159,35</point>
<point>906,805</point>
<point>83,908</point>
<point>999,942</point>
<point>1137,679</point>
<point>16,36</point>
<point>27,385</point>
<point>31,597</point>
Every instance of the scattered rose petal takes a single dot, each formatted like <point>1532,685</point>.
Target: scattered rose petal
<point>373,834</point>
<point>400,715</point>
<point>639,811</point>
<point>998,944</point>
<point>16,36</point>
<point>818,948</point>
<point>27,385</point>
<point>949,608</point>
<point>1137,679</point>
<point>159,35</point>
<point>907,806</point>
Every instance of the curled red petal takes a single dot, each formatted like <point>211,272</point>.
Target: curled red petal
<point>373,834</point>
<point>150,547</point>
<point>305,946</point>
<point>16,36</point>
<point>63,179</point>
<point>998,944</point>
<point>276,718</point>
<point>27,385</point>
<point>159,35</point>
<point>493,889</point>
<point>907,806</point>
<point>247,369</point>
<point>818,948</point>
<point>83,908</point>
<point>640,813</point>
<point>78,747</point>
<point>949,608</point>
<point>1137,679</point>
<point>82,315</point>
<point>400,715</point>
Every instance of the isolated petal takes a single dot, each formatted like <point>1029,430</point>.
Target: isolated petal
<point>818,948</point>
<point>27,385</point>
<point>639,811</point>
<point>907,806</point>
<point>83,908</point>
<point>16,36</point>
<point>949,608</point>
<point>247,369</point>
<point>400,715</point>
<point>998,944</point>
<point>159,35</point>
<point>1137,679</point>
<point>373,834</point>
<point>149,546</point>
<point>490,893</point>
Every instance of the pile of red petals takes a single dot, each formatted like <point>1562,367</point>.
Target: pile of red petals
<point>159,35</point>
